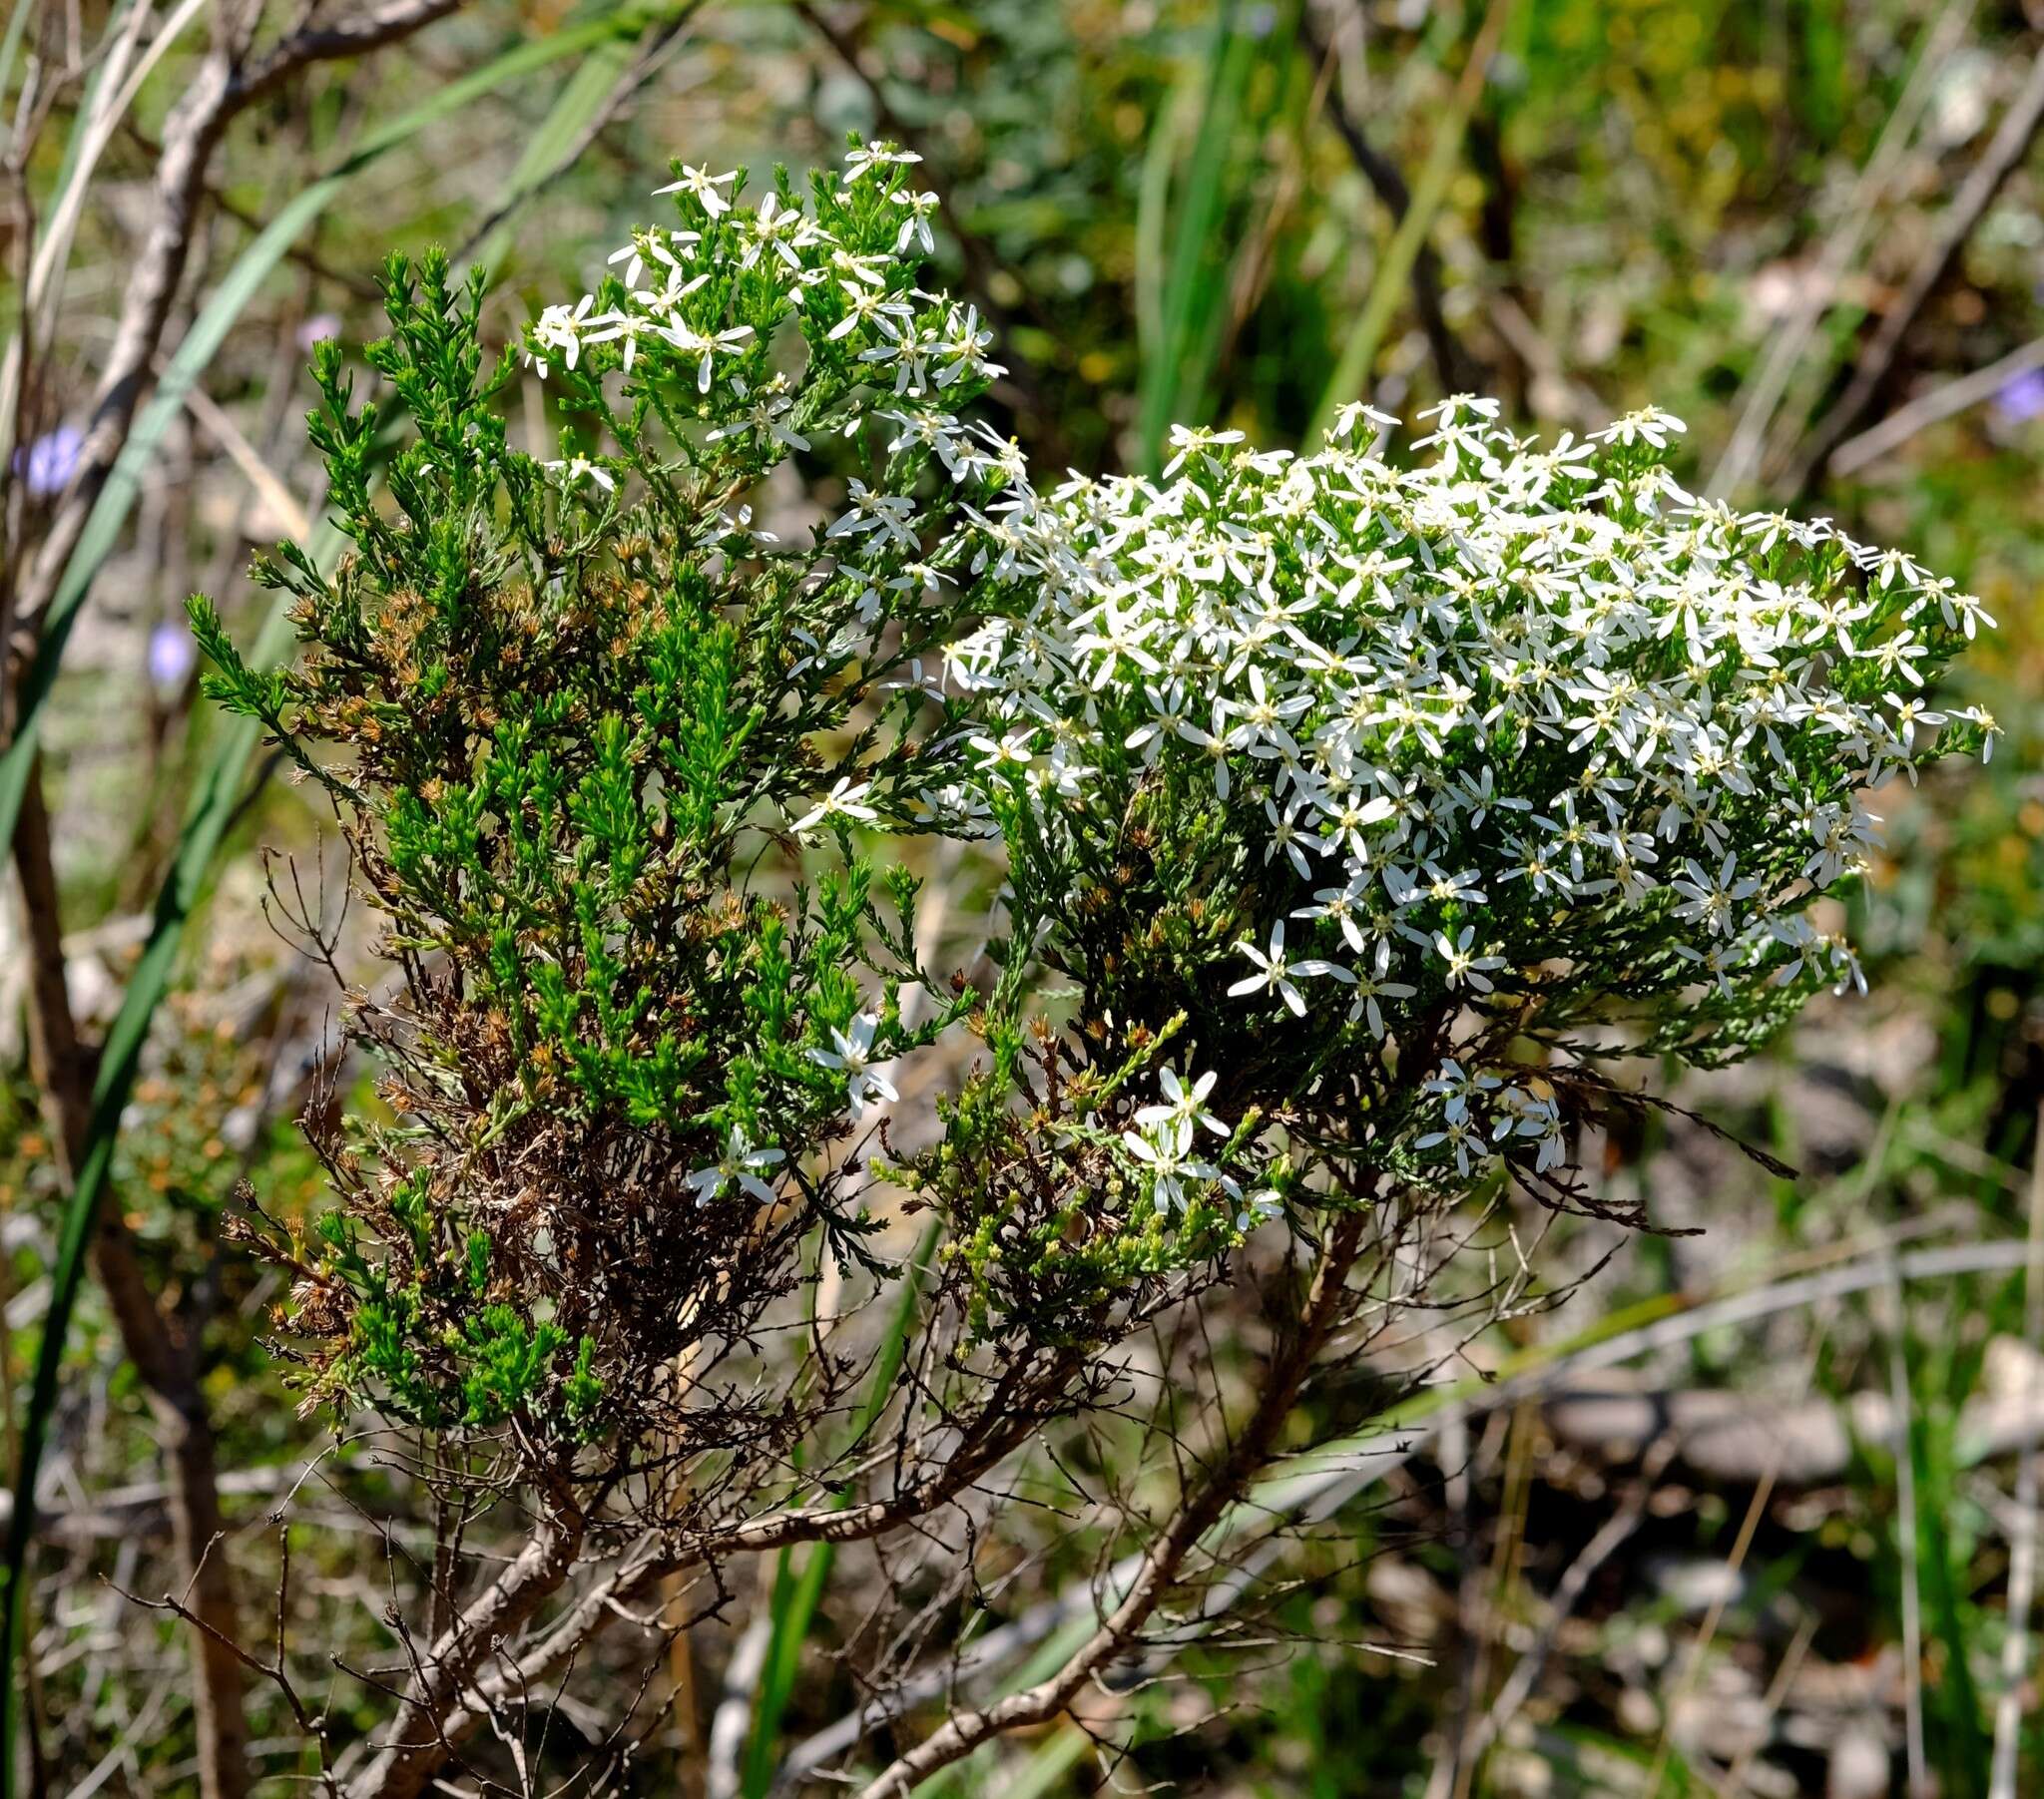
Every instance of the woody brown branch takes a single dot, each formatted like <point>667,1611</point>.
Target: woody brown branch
<point>164,1357</point>
<point>467,1674</point>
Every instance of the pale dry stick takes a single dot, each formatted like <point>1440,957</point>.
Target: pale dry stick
<point>1613,1534</point>
<point>1456,1461</point>
<point>2011,143</point>
<point>1906,1528</point>
<point>680,1654</point>
<point>1906,1474</point>
<point>1733,1783</point>
<point>1693,1668</point>
<point>1970,1160</point>
<point>1785,347</point>
<point>1940,403</point>
<point>230,79</point>
<point>2022,1550</point>
<point>113,54</point>
<point>293,517</point>
<point>135,1731</point>
<point>732,1723</point>
<point>121,85</point>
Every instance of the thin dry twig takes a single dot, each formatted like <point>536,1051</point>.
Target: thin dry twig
<point>2011,143</point>
<point>1733,1783</point>
<point>1764,392</point>
<point>2022,1561</point>
<point>1611,1536</point>
<point>1939,403</point>
<point>1201,1507</point>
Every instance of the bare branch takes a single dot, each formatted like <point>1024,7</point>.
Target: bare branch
<point>367,30</point>
<point>2011,143</point>
<point>167,1363</point>
<point>1327,1304</point>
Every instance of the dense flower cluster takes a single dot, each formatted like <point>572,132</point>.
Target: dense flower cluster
<point>677,289</point>
<point>1501,732</point>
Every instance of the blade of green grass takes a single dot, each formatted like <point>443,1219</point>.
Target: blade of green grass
<point>210,331</point>
<point>1388,287</point>
<point>1198,227</point>
<point>1153,213</point>
<point>583,99</point>
<point>1192,287</point>
<point>10,46</point>
<point>1961,1742</point>
<point>797,1597</point>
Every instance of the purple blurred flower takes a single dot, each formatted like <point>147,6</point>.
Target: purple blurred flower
<point>2021,397</point>
<point>47,464</point>
<point>171,654</point>
<point>317,329</point>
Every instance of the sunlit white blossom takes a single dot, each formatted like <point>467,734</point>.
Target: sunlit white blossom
<point>740,1165</point>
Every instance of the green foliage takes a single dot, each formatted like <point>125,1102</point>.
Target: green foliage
<point>562,726</point>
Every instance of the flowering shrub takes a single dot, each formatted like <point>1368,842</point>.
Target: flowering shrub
<point>564,707</point>
<point>1420,791</point>
<point>1354,817</point>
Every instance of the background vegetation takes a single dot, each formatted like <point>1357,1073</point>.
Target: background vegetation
<point>1756,1512</point>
